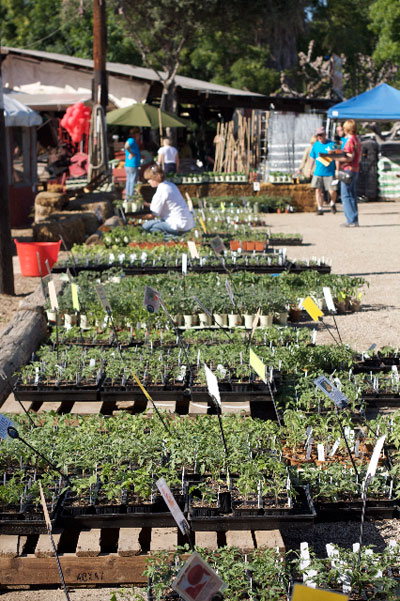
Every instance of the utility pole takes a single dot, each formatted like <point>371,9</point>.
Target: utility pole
<point>99,53</point>
<point>6,265</point>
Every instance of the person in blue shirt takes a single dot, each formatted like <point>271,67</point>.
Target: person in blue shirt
<point>323,175</point>
<point>132,161</point>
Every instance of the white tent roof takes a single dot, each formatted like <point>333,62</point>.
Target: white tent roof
<point>19,115</point>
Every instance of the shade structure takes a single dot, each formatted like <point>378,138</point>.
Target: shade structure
<point>381,103</point>
<point>144,115</point>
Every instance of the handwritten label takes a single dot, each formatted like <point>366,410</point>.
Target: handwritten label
<point>173,506</point>
<point>314,312</point>
<point>196,581</point>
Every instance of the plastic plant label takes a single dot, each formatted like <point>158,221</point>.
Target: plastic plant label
<point>203,225</point>
<point>305,593</point>
<point>255,322</point>
<point>258,366</point>
<point>184,263</point>
<point>5,423</point>
<point>340,400</point>
<point>173,506</point>
<point>196,581</point>
<point>152,300</point>
<point>189,202</point>
<point>256,186</point>
<point>142,388</point>
<point>105,303</point>
<point>373,464</point>
<point>328,299</point>
<point>206,311</point>
<point>53,296</point>
<point>217,245</point>
<point>194,253</point>
<point>44,507</point>
<point>321,452</point>
<point>314,312</point>
<point>229,291</point>
<point>75,297</point>
<point>223,207</point>
<point>212,385</point>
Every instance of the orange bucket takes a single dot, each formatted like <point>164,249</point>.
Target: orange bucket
<point>31,253</point>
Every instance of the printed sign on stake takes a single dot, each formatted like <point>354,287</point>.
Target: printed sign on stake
<point>258,366</point>
<point>311,308</point>
<point>173,506</point>
<point>328,299</point>
<point>196,581</point>
<point>194,253</point>
<point>212,385</point>
<point>305,593</point>
<point>105,303</point>
<point>152,300</point>
<point>53,296</point>
<point>75,297</point>
<point>5,423</point>
<point>340,400</point>
<point>217,245</point>
<point>256,186</point>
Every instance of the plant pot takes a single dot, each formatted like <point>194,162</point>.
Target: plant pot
<point>190,320</point>
<point>126,205</point>
<point>355,305</point>
<point>51,316</point>
<point>234,245</point>
<point>266,320</point>
<point>294,314</point>
<point>83,322</point>
<point>282,318</point>
<point>221,319</point>
<point>341,307</point>
<point>204,320</point>
<point>251,245</point>
<point>234,320</point>
<point>69,320</point>
<point>248,320</point>
<point>259,246</point>
<point>178,319</point>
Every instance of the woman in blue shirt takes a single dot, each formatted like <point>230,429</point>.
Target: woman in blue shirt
<point>132,161</point>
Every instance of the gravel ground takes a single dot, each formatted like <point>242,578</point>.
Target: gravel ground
<point>370,251</point>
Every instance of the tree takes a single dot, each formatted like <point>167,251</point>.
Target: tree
<point>385,24</point>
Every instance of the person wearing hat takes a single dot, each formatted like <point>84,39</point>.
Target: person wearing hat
<point>323,174</point>
<point>132,161</point>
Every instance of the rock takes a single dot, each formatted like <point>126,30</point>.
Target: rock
<point>70,227</point>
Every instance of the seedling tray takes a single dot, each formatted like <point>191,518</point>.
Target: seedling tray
<point>351,510</point>
<point>20,523</point>
<point>149,269</point>
<point>57,394</point>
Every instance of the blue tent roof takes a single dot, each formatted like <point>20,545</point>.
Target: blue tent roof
<point>380,103</point>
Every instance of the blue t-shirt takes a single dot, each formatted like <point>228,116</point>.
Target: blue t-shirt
<point>320,169</point>
<point>135,160</point>
<point>343,141</point>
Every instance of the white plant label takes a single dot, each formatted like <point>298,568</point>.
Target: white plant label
<point>105,303</point>
<point>256,186</point>
<point>189,202</point>
<point>328,299</point>
<point>173,506</point>
<point>5,423</point>
<point>53,296</point>
<point>373,464</point>
<point>152,300</point>
<point>194,253</point>
<point>335,447</point>
<point>196,581</point>
<point>340,400</point>
<point>321,452</point>
<point>184,263</point>
<point>212,385</point>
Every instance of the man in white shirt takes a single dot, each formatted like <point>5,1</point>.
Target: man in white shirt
<point>168,157</point>
<point>168,205</point>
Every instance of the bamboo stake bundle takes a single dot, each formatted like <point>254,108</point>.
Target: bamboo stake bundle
<point>240,153</point>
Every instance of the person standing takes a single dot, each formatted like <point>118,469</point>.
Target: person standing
<point>173,216</point>
<point>350,164</point>
<point>323,175</point>
<point>132,161</point>
<point>168,157</point>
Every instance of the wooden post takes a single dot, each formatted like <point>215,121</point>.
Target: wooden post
<point>100,87</point>
<point>6,265</point>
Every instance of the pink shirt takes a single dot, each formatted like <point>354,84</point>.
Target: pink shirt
<point>353,144</point>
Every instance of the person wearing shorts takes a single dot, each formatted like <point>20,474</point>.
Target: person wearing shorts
<point>323,175</point>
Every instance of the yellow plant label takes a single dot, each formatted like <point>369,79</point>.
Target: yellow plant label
<point>75,297</point>
<point>203,225</point>
<point>257,365</point>
<point>142,388</point>
<point>223,207</point>
<point>311,308</point>
<point>305,593</point>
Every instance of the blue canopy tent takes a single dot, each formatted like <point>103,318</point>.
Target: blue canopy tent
<point>379,104</point>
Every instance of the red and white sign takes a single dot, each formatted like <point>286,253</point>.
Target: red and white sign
<point>196,581</point>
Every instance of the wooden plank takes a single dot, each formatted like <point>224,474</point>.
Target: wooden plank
<point>10,405</point>
<point>269,538</point>
<point>163,539</point>
<point>229,407</point>
<point>128,542</point>
<point>168,406</point>
<point>44,547</point>
<point>207,540</point>
<point>86,408</point>
<point>88,543</point>
<point>108,569</point>
<point>53,406</point>
<point>123,406</point>
<point>196,408</point>
<point>11,545</point>
<point>242,539</point>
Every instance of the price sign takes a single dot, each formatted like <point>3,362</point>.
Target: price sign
<point>217,245</point>
<point>53,296</point>
<point>258,366</point>
<point>75,297</point>
<point>5,423</point>
<point>314,312</point>
<point>152,300</point>
<point>173,506</point>
<point>340,400</point>
<point>212,385</point>
<point>328,299</point>
<point>305,593</point>
<point>196,581</point>
<point>229,291</point>
<point>105,303</point>
<point>194,253</point>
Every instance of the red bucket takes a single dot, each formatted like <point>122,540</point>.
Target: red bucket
<point>31,253</point>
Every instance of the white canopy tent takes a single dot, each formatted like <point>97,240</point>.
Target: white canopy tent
<point>19,115</point>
